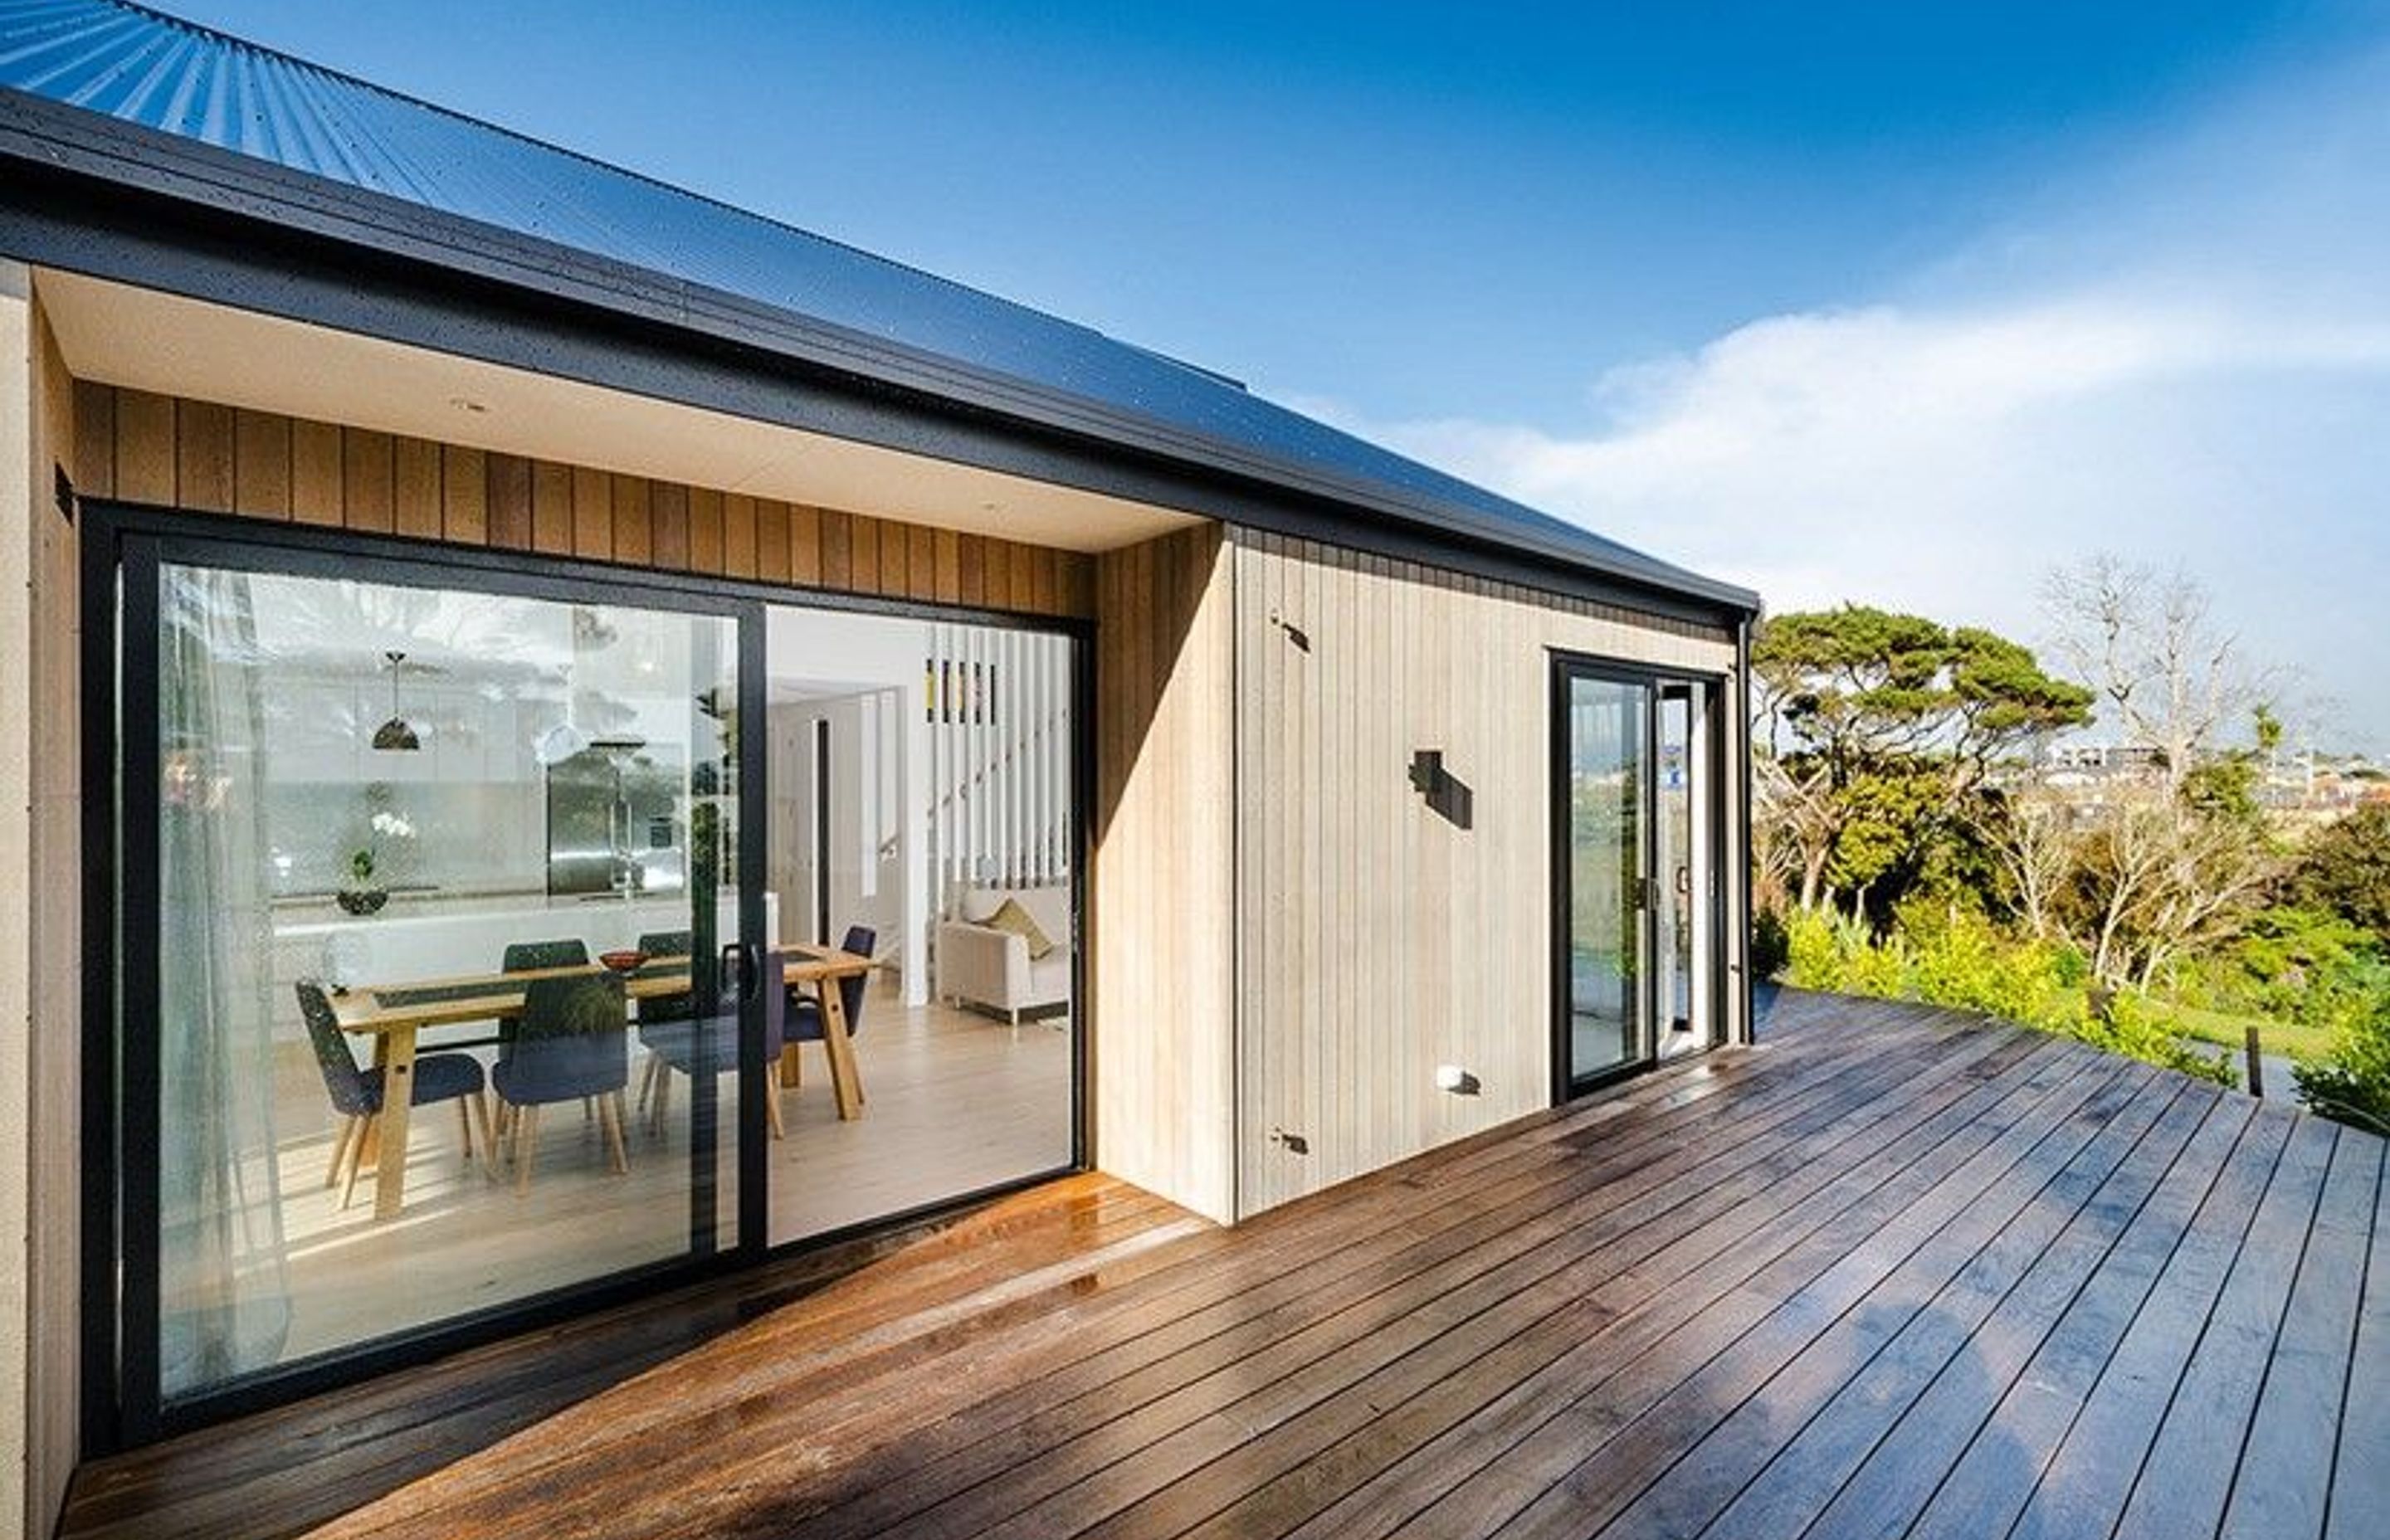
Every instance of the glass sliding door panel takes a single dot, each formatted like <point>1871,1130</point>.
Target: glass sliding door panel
<point>398,830</point>
<point>1607,763</point>
<point>1680,864</point>
<point>922,798</point>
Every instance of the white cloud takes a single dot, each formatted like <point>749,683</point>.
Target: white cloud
<point>2193,365</point>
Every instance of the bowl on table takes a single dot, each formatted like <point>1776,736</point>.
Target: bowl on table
<point>626,960</point>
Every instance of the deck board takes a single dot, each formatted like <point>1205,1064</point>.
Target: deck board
<point>1895,1272</point>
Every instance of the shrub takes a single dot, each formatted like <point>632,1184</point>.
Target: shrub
<point>2353,1086</point>
<point>1953,956</point>
<point>2307,966</point>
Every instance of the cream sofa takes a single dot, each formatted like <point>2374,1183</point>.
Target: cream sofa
<point>980,965</point>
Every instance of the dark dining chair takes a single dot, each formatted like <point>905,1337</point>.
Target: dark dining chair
<point>804,1023</point>
<point>689,1047</point>
<point>532,956</point>
<point>357,1094</point>
<point>664,1019</point>
<point>572,1042</point>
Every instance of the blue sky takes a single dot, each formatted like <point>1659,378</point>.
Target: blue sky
<point>1895,302</point>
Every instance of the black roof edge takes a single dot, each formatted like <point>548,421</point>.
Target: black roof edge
<point>79,147</point>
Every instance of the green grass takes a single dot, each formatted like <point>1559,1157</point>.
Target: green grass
<point>2224,1028</point>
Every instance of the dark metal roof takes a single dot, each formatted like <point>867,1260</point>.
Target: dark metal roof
<point>163,74</point>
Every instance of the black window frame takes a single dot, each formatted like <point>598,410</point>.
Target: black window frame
<point>122,543</point>
<point>1724,960</point>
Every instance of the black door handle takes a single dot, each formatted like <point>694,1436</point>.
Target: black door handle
<point>738,962</point>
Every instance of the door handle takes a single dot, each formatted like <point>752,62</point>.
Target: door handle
<point>738,962</point>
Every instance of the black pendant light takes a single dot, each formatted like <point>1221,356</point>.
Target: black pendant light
<point>396,734</point>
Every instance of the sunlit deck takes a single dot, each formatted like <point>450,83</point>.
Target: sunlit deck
<point>1893,1273</point>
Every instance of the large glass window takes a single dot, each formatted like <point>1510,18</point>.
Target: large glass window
<point>438,874</point>
<point>443,960</point>
<point>1607,851</point>
<point>922,812</point>
<point>1637,842</point>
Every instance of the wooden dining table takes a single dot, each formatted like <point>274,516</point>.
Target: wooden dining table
<point>394,1014</point>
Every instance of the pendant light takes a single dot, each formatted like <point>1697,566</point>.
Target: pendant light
<point>397,734</point>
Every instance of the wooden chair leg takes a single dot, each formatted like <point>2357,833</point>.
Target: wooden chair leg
<point>648,1082</point>
<point>610,1114</point>
<point>365,1140</point>
<point>771,1111</point>
<point>339,1151</point>
<point>664,1099</point>
<point>465,1127</point>
<point>489,1140</point>
<point>527,1147</point>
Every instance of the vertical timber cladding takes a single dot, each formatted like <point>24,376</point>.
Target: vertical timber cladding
<point>55,941</point>
<point>139,447</point>
<point>1379,937</point>
<point>1162,962</point>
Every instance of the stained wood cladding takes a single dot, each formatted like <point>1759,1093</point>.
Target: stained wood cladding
<point>1377,940</point>
<point>147,448</point>
<point>1162,962</point>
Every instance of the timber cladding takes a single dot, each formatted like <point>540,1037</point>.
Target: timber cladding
<point>1162,963</point>
<point>137,447</point>
<point>1381,935</point>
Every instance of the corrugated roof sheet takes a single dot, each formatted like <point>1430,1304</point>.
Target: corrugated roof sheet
<point>170,75</point>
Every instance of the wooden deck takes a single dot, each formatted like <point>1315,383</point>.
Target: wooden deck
<point>1893,1273</point>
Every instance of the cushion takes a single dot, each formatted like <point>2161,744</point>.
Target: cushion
<point>1010,917</point>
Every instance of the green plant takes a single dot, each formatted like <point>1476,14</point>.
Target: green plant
<point>2346,869</point>
<point>1952,955</point>
<point>361,864</point>
<point>2353,1085</point>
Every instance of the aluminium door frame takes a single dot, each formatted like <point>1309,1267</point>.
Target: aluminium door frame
<point>119,1217</point>
<point>1567,665</point>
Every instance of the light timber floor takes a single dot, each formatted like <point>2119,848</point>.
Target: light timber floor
<point>957,1102</point>
<point>1895,1272</point>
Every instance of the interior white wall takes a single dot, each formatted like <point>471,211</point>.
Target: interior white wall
<point>842,649</point>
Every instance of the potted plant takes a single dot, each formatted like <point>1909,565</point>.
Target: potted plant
<point>364,895</point>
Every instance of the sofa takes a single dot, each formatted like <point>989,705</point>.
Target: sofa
<point>980,965</point>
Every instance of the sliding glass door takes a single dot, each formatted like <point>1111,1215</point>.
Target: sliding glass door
<point>485,943</point>
<point>922,825</point>
<point>1635,809</point>
<point>426,882</point>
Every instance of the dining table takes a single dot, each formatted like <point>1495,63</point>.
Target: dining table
<point>394,1015</point>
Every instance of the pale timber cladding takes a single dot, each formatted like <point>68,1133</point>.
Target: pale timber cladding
<point>49,927</point>
<point>1377,940</point>
<point>141,447</point>
<point>1260,842</point>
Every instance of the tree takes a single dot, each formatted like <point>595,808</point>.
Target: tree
<point>2034,840</point>
<point>2167,674</point>
<point>2346,869</point>
<point>1874,728</point>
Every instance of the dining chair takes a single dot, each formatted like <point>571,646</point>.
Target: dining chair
<point>530,956</point>
<point>662,1016</point>
<point>804,1023</point>
<point>688,1048</point>
<point>572,1043</point>
<point>357,1094</point>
